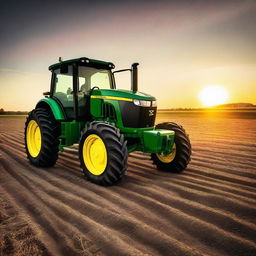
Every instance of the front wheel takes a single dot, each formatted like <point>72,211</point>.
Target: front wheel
<point>103,153</point>
<point>179,158</point>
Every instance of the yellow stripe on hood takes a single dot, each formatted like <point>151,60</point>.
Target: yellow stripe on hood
<point>110,98</point>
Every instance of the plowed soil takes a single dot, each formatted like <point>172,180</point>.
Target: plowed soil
<point>209,209</point>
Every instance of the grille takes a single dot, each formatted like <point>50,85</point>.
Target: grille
<point>108,111</point>
<point>137,117</point>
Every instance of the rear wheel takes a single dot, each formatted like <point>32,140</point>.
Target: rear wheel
<point>42,138</point>
<point>179,158</point>
<point>103,153</point>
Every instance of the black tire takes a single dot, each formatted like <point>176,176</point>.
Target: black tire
<point>183,149</point>
<point>116,151</point>
<point>50,131</point>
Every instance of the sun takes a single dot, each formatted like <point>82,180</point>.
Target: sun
<point>213,95</point>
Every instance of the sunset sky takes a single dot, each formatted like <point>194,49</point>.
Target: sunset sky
<point>182,46</point>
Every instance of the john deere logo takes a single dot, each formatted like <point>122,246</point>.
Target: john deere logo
<point>151,112</point>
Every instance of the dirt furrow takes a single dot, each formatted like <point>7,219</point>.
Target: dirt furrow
<point>58,205</point>
<point>207,210</point>
<point>144,216</point>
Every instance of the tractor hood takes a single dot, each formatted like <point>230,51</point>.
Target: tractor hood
<point>127,108</point>
<point>122,94</point>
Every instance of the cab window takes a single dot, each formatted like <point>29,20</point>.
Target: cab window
<point>101,79</point>
<point>63,90</point>
<point>90,77</point>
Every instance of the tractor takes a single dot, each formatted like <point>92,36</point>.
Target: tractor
<point>84,106</point>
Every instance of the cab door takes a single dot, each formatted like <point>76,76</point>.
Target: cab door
<point>63,90</point>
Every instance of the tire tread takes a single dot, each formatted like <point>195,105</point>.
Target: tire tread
<point>50,132</point>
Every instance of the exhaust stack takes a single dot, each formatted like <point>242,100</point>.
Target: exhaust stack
<point>134,77</point>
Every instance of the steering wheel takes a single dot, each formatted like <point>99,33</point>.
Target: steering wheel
<point>93,88</point>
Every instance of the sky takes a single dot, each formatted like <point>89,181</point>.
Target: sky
<point>182,46</point>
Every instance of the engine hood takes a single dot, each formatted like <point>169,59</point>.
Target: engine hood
<point>122,94</point>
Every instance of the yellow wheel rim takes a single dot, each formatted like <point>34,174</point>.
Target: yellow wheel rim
<point>95,154</point>
<point>169,158</point>
<point>33,138</point>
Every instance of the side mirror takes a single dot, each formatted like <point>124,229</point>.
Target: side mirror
<point>46,94</point>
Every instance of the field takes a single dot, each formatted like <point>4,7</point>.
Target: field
<point>209,209</point>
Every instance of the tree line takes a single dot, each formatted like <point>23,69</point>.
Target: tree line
<point>3,112</point>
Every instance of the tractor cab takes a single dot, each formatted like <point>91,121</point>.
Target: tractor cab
<point>73,82</point>
<point>85,90</point>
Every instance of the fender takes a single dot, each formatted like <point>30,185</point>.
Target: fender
<point>53,105</point>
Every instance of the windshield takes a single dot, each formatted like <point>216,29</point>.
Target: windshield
<point>89,77</point>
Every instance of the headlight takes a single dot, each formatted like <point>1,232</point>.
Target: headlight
<point>142,103</point>
<point>136,102</point>
<point>145,103</point>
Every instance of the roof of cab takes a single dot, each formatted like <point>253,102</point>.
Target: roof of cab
<point>85,62</point>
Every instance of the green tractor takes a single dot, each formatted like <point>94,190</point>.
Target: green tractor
<point>85,106</point>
